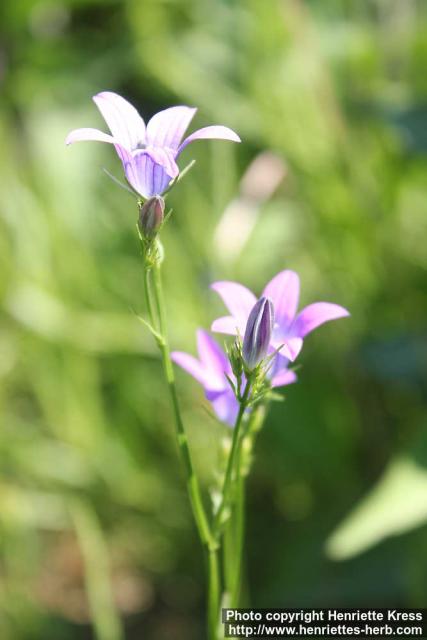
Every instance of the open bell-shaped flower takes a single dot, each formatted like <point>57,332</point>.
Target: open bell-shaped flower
<point>290,326</point>
<point>148,152</point>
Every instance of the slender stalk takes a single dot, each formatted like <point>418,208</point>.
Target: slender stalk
<point>234,535</point>
<point>228,556</point>
<point>213,594</point>
<point>232,543</point>
<point>147,292</point>
<point>192,482</point>
<point>239,532</point>
<point>231,460</point>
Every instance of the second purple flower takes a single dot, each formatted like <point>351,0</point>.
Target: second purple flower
<point>290,328</point>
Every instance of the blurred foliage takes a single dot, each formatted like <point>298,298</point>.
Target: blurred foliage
<point>90,486</point>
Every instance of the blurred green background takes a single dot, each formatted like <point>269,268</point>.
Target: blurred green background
<point>330,100</point>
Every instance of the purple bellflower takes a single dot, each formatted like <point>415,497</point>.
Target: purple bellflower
<point>290,327</point>
<point>148,153</point>
<point>211,369</point>
<point>258,333</point>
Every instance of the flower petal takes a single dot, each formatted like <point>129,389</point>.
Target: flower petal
<point>79,135</point>
<point>293,346</point>
<point>124,121</point>
<point>166,128</point>
<point>283,290</point>
<point>216,132</point>
<point>225,406</point>
<point>282,345</point>
<point>226,324</point>
<point>190,364</point>
<point>316,314</point>
<point>289,346</point>
<point>150,171</point>
<point>214,361</point>
<point>238,300</point>
<point>279,373</point>
<point>284,378</point>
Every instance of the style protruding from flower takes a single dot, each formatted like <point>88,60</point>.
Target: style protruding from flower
<point>148,153</point>
<point>151,216</point>
<point>290,328</point>
<point>213,371</point>
<point>258,331</point>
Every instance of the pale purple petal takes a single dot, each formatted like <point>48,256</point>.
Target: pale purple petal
<point>225,406</point>
<point>283,290</point>
<point>190,364</point>
<point>289,347</point>
<point>282,344</point>
<point>316,314</point>
<point>150,171</point>
<point>87,134</point>
<point>166,128</point>
<point>165,158</point>
<point>279,373</point>
<point>293,346</point>
<point>226,324</point>
<point>238,300</point>
<point>283,378</point>
<point>215,132</point>
<point>124,121</point>
<point>214,361</point>
<point>280,362</point>
<point>79,135</point>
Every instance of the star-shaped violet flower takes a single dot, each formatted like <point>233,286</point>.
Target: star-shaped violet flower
<point>148,153</point>
<point>211,370</point>
<point>290,328</point>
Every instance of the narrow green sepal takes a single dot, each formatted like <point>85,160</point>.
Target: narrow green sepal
<point>180,176</point>
<point>121,184</point>
<point>276,397</point>
<point>231,383</point>
<point>158,337</point>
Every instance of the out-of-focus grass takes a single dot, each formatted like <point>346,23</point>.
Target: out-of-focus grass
<point>336,91</point>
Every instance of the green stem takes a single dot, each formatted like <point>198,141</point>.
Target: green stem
<point>234,534</point>
<point>228,540</point>
<point>238,531</point>
<point>213,594</point>
<point>147,292</point>
<point>231,460</point>
<point>192,482</point>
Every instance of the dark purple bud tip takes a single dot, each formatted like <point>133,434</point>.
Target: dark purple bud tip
<point>258,333</point>
<point>151,216</point>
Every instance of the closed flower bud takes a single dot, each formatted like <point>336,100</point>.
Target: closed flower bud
<point>151,216</point>
<point>258,333</point>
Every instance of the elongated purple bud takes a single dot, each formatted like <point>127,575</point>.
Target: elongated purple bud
<point>151,216</point>
<point>258,332</point>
